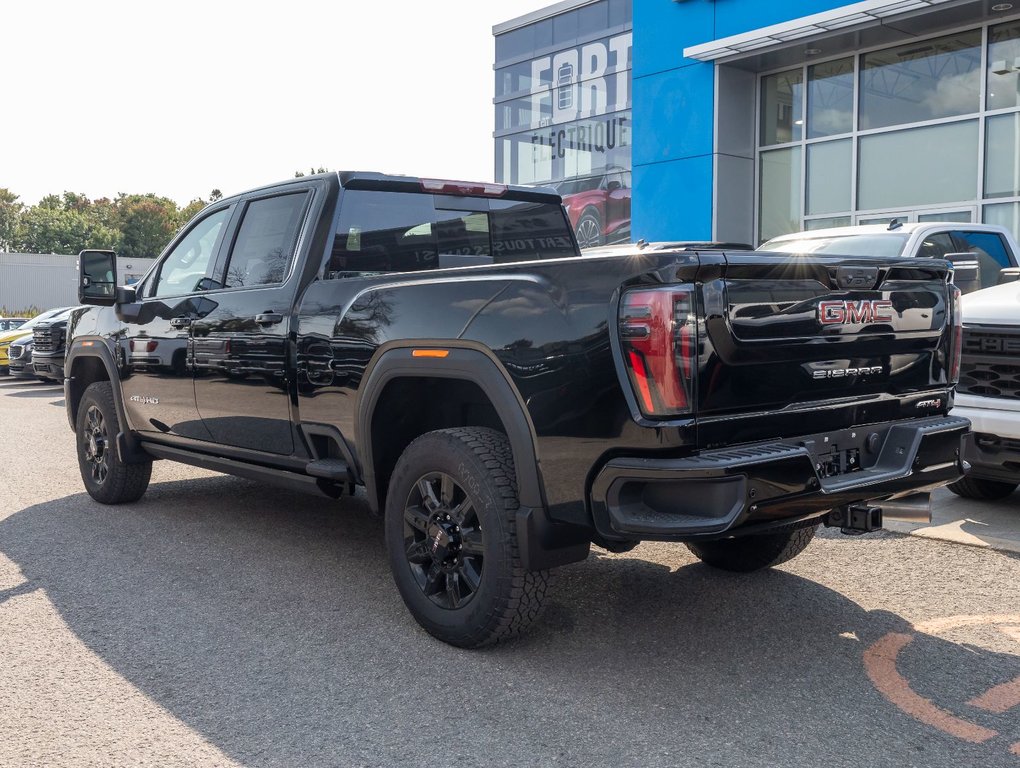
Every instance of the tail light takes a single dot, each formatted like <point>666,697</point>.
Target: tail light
<point>658,330</point>
<point>956,353</point>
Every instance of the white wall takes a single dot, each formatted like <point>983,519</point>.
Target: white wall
<point>45,281</point>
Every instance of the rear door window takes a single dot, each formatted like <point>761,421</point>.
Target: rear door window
<point>265,242</point>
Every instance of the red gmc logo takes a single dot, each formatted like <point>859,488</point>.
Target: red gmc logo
<point>855,312</point>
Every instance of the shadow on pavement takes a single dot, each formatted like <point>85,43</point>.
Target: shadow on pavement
<point>269,623</point>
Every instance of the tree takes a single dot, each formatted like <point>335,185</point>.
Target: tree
<point>311,172</point>
<point>215,195</point>
<point>44,229</point>
<point>10,216</point>
<point>147,223</point>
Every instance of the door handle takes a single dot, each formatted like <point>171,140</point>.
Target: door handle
<point>180,322</point>
<point>268,318</point>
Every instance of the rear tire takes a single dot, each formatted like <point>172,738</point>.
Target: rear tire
<point>107,479</point>
<point>451,535</point>
<point>979,488</point>
<point>752,553</point>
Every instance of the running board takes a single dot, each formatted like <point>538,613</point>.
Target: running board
<point>280,477</point>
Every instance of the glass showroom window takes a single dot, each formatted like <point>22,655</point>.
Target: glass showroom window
<point>936,137</point>
<point>901,170</point>
<point>781,110</point>
<point>830,98</point>
<point>779,211</point>
<point>1004,66</point>
<point>921,81</point>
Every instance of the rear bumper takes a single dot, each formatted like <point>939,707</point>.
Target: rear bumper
<point>741,489</point>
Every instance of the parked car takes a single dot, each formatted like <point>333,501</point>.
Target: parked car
<point>20,356</point>
<point>980,252</point>
<point>49,346</point>
<point>504,415</point>
<point>598,207</point>
<point>25,329</point>
<point>11,323</point>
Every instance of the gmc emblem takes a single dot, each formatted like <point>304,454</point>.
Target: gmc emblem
<point>855,312</point>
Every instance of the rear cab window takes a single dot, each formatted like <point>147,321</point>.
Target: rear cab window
<point>380,232</point>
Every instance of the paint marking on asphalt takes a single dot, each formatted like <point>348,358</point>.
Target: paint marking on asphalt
<point>880,664</point>
<point>1011,632</point>
<point>999,699</point>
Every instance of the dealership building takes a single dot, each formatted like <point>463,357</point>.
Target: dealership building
<point>740,120</point>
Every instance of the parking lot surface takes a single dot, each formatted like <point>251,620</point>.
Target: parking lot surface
<point>222,622</point>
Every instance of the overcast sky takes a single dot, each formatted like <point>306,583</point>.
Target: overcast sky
<point>181,97</point>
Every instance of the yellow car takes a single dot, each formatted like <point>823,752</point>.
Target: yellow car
<point>6,337</point>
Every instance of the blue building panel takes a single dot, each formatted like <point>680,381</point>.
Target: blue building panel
<point>666,28</point>
<point>677,114</point>
<point>676,200</point>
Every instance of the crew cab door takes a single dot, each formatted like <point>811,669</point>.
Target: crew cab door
<point>159,388</point>
<point>241,347</point>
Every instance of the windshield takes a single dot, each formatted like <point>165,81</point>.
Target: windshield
<point>51,314</point>
<point>883,245</point>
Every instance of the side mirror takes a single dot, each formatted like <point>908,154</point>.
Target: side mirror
<point>97,278</point>
<point>1008,275</point>
<point>966,271</point>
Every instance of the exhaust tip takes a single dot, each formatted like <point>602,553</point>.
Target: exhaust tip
<point>915,508</point>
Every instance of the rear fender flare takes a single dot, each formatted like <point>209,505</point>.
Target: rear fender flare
<point>464,361</point>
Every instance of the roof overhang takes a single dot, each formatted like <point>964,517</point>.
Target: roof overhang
<point>853,17</point>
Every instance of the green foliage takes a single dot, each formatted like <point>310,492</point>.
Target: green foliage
<point>10,214</point>
<point>61,230</point>
<point>147,223</point>
<point>136,226</point>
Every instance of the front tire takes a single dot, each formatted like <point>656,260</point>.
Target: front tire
<point>752,553</point>
<point>979,488</point>
<point>451,535</point>
<point>107,479</point>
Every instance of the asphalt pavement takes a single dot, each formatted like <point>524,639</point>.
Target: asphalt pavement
<point>222,622</point>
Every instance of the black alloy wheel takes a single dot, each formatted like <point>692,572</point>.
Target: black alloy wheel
<point>97,445</point>
<point>451,536</point>
<point>107,478</point>
<point>444,540</point>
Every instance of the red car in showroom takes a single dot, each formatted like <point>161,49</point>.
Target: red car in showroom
<point>599,207</point>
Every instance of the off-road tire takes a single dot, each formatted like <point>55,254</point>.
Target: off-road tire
<point>979,488</point>
<point>752,553</point>
<point>507,598</point>
<point>118,483</point>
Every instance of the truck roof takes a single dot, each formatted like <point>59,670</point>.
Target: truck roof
<point>371,180</point>
<point>908,228</point>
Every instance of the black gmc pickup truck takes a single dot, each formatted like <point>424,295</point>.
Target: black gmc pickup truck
<point>504,401</point>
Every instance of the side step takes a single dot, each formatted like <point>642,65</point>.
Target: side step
<point>330,469</point>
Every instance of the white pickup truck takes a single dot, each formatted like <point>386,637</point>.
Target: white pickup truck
<point>992,247</point>
<point>989,390</point>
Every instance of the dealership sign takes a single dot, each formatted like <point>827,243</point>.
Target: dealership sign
<point>583,82</point>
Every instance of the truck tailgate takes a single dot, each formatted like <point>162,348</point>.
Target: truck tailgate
<point>848,339</point>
